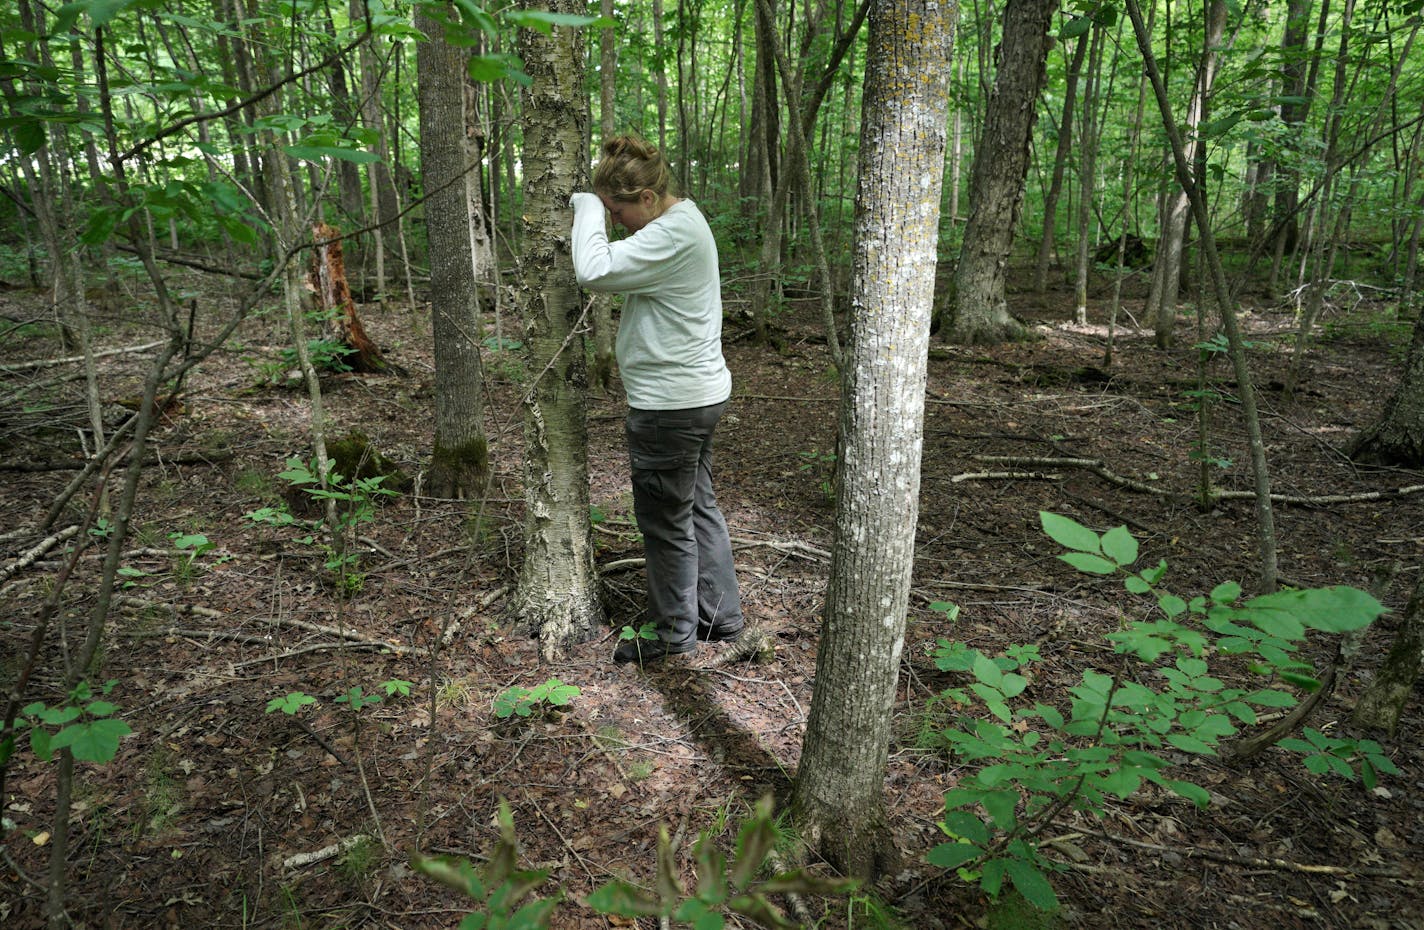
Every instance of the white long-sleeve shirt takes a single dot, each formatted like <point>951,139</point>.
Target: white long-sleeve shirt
<point>669,344</point>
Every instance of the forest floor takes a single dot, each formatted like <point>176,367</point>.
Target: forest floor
<point>194,821</point>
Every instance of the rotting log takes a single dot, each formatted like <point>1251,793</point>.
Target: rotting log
<point>333,294</point>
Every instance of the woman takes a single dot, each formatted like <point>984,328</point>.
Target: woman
<point>669,352</point>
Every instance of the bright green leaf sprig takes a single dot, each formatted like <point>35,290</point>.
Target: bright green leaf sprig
<point>83,725</point>
<point>1120,732</point>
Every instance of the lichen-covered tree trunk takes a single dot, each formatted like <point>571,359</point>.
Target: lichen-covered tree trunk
<point>838,797</point>
<point>558,589</point>
<point>1398,437</point>
<point>980,308</point>
<point>459,462</point>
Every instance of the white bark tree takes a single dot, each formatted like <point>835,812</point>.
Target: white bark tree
<point>838,797</point>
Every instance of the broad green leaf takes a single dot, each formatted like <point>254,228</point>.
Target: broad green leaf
<point>1087,562</point>
<point>625,900</point>
<point>966,825</point>
<point>1332,610</point>
<point>1032,884</point>
<point>317,153</point>
<point>93,741</point>
<point>1194,793</point>
<point>953,855</point>
<point>1136,585</point>
<point>1075,27</point>
<point>1226,593</point>
<point>1122,782</point>
<point>1172,605</point>
<point>1120,546</point>
<point>1069,533</point>
<point>40,743</point>
<point>1001,805</point>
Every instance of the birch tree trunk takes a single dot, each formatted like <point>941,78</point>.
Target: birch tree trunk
<point>459,462</point>
<point>980,310</point>
<point>838,795</point>
<point>558,589</point>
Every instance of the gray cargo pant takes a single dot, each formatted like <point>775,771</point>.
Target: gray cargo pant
<point>692,585</point>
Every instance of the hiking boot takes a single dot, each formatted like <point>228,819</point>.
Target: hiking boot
<point>649,650</point>
<point>723,634</point>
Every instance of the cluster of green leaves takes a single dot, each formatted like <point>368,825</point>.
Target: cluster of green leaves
<point>523,702</point>
<point>355,697</point>
<point>83,724</point>
<point>1121,730</point>
<point>648,631</point>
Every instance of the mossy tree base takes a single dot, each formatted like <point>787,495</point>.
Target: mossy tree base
<point>459,471</point>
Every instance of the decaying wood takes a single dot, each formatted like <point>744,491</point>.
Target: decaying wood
<point>333,294</point>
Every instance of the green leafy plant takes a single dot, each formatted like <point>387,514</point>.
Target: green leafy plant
<point>83,724</point>
<point>499,889</point>
<point>1037,760</point>
<point>523,702</point>
<point>721,886</point>
<point>821,465</point>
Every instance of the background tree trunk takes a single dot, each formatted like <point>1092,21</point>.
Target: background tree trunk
<point>839,784</point>
<point>459,461</point>
<point>980,310</point>
<point>558,589</point>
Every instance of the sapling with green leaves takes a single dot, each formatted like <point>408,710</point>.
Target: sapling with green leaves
<point>722,885</point>
<point>524,702</point>
<point>355,504</point>
<point>84,723</point>
<point>1037,760</point>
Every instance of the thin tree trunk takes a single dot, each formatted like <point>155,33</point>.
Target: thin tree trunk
<point>1265,518</point>
<point>1060,160</point>
<point>1089,177</point>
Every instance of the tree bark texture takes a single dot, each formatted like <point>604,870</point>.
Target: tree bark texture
<point>460,461</point>
<point>980,309</point>
<point>558,591</point>
<point>1384,698</point>
<point>838,793</point>
<point>1398,437</point>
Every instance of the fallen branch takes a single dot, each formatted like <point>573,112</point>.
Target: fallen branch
<point>1102,471</point>
<point>454,628</point>
<point>33,555</point>
<point>69,360</point>
<point>133,603</point>
<point>326,852</point>
<point>1004,476</point>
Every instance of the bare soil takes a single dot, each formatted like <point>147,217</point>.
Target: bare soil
<point>191,824</point>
